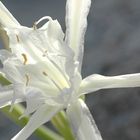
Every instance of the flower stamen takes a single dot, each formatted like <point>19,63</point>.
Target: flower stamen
<point>40,20</point>
<point>17,37</point>
<point>56,65</point>
<point>27,79</point>
<point>25,58</point>
<point>43,18</point>
<point>45,52</point>
<point>34,26</point>
<point>44,73</point>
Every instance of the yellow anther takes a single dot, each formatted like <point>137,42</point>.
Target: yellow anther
<point>25,58</point>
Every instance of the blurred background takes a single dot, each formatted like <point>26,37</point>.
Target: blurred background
<point>112,47</point>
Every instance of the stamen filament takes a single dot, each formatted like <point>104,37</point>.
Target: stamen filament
<point>43,18</point>
<point>59,70</point>
<point>40,20</point>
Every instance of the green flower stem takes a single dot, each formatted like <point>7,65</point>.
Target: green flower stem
<point>3,80</point>
<point>4,38</point>
<point>60,122</point>
<point>43,132</point>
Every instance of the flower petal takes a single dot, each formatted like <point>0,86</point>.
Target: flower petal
<point>12,71</point>
<point>21,76</point>
<point>6,96</point>
<point>82,123</point>
<point>12,68</point>
<point>76,23</point>
<point>96,82</point>
<point>33,46</point>
<point>4,55</point>
<point>34,99</point>
<point>38,77</point>
<point>6,18</point>
<point>41,116</point>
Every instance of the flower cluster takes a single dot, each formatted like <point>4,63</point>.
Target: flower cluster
<point>44,66</point>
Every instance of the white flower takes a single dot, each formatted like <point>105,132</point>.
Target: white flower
<point>44,67</point>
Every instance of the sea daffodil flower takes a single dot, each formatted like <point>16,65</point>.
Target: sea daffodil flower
<point>44,67</point>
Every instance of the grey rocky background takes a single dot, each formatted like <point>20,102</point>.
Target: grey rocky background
<point>112,47</point>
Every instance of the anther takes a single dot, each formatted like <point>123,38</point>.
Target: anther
<point>44,73</point>
<point>25,58</point>
<point>17,37</point>
<point>27,79</point>
<point>35,26</point>
<point>45,52</point>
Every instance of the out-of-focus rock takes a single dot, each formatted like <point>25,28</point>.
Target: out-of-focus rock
<point>113,47</point>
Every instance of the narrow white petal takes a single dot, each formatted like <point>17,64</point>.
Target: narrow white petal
<point>54,30</point>
<point>4,54</point>
<point>82,123</point>
<point>41,116</point>
<point>96,82</point>
<point>34,99</point>
<point>19,90</point>
<point>12,67</point>
<point>76,23</point>
<point>14,73</point>
<point>7,95</point>
<point>6,18</point>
